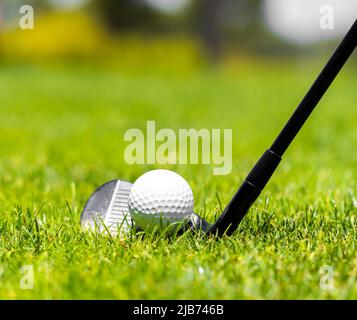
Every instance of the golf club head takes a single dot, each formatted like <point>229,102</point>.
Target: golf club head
<point>107,210</point>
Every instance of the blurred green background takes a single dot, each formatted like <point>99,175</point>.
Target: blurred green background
<point>90,70</point>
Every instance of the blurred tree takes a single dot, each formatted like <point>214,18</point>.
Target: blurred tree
<point>219,22</point>
<point>207,20</point>
<point>126,14</point>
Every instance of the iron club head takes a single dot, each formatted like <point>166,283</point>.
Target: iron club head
<point>107,208</point>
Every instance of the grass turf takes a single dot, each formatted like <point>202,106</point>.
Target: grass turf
<point>61,135</point>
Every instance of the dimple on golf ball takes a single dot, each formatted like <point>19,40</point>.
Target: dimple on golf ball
<point>160,198</point>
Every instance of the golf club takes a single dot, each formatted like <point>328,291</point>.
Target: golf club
<point>107,207</point>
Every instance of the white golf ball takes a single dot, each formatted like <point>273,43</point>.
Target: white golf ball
<point>160,198</point>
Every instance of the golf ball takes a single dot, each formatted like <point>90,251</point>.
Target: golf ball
<point>160,198</point>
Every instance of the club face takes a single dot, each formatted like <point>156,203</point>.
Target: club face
<point>107,210</point>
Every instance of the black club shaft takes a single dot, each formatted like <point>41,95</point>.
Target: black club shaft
<point>259,176</point>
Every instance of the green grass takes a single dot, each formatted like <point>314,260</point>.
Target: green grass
<point>61,135</point>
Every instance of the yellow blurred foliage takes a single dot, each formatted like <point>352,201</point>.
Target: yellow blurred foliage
<point>61,36</point>
<point>179,53</point>
<point>56,35</point>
